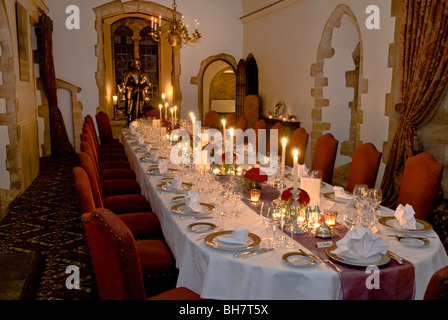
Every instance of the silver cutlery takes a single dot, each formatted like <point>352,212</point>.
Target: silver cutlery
<point>316,256</point>
<point>251,253</point>
<point>395,257</point>
<point>324,258</point>
<point>194,218</point>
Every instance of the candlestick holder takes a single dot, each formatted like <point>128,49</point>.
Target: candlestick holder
<point>280,182</point>
<point>300,219</point>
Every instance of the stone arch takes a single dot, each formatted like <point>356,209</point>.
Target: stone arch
<point>198,80</point>
<point>115,9</point>
<point>353,79</point>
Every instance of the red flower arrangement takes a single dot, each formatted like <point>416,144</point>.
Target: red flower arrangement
<point>256,175</point>
<point>226,160</point>
<point>304,197</point>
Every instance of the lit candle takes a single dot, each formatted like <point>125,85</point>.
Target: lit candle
<point>192,119</point>
<point>160,109</point>
<point>283,155</point>
<point>166,110</point>
<point>172,116</point>
<point>295,169</point>
<point>224,129</point>
<point>160,21</point>
<point>163,98</point>
<point>175,114</point>
<point>115,99</point>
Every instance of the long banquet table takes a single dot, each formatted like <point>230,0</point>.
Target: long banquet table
<point>216,274</point>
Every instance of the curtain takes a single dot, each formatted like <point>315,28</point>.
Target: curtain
<point>423,79</point>
<point>60,144</point>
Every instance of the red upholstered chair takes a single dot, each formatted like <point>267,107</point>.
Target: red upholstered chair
<point>325,156</point>
<point>122,203</point>
<point>252,109</point>
<point>260,133</point>
<point>298,141</point>
<point>438,286</point>
<point>120,263</point>
<point>153,113</point>
<point>364,169</point>
<point>420,184</point>
<point>105,147</point>
<point>211,120</point>
<point>104,154</point>
<point>242,124</point>
<point>143,225</point>
<point>278,126</point>
<point>104,128</point>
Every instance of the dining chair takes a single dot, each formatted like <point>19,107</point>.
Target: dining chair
<point>252,109</point>
<point>325,156</point>
<point>279,127</point>
<point>212,119</point>
<point>120,203</point>
<point>260,134</point>
<point>122,265</point>
<point>105,128</point>
<point>153,113</point>
<point>86,146</point>
<point>420,184</point>
<point>298,141</point>
<point>144,225</point>
<point>110,147</point>
<point>437,288</point>
<point>364,168</point>
<point>242,123</point>
<point>103,153</point>
<point>230,120</point>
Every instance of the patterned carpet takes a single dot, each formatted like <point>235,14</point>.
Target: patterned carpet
<point>45,219</point>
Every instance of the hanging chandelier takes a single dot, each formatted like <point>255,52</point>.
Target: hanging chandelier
<point>175,32</point>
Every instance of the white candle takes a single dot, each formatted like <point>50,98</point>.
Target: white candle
<point>192,119</point>
<point>224,129</point>
<point>175,114</point>
<point>283,154</point>
<point>172,116</point>
<point>115,99</point>
<point>163,98</point>
<point>295,169</point>
<point>160,109</point>
<point>166,110</point>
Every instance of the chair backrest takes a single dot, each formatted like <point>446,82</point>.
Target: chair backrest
<point>153,113</point>
<point>298,141</point>
<point>88,166</point>
<point>83,191</point>
<point>212,119</point>
<point>260,135</point>
<point>437,288</point>
<point>420,184</point>
<point>104,127</point>
<point>87,148</point>
<point>252,109</point>
<point>325,156</point>
<point>114,256</point>
<point>230,120</point>
<point>364,168</point>
<point>279,127</point>
<point>242,123</point>
<point>89,121</point>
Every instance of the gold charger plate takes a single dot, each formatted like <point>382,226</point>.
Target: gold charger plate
<point>156,171</point>
<point>298,259</point>
<point>377,260</point>
<point>201,227</point>
<point>413,241</point>
<point>252,241</point>
<point>392,223</point>
<point>332,197</point>
<point>185,187</point>
<point>179,199</point>
<point>181,208</point>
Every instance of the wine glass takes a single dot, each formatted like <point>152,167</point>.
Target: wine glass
<point>360,196</point>
<point>221,197</point>
<point>351,214</point>
<point>266,219</point>
<point>375,196</point>
<point>235,195</point>
<point>367,217</point>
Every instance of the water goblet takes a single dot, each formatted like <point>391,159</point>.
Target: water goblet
<point>351,215</point>
<point>360,196</point>
<point>375,196</point>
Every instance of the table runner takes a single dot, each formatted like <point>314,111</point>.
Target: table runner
<point>396,280</point>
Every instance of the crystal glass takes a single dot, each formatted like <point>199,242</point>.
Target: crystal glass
<point>360,196</point>
<point>351,214</point>
<point>375,196</point>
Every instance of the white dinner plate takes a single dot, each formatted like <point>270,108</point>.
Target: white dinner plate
<point>375,260</point>
<point>212,240</point>
<point>182,208</point>
<point>156,172</point>
<point>298,259</point>
<point>199,227</point>
<point>413,241</point>
<point>165,187</point>
<point>331,196</point>
<point>179,199</point>
<point>392,223</point>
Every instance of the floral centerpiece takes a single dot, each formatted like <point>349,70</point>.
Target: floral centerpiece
<point>254,178</point>
<point>227,161</point>
<point>288,201</point>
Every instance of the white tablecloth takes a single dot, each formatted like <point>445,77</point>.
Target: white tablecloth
<point>216,274</point>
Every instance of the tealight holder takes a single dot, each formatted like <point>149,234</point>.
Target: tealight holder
<point>255,195</point>
<point>330,217</point>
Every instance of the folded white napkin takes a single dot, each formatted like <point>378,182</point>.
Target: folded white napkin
<point>192,201</point>
<point>238,236</point>
<point>340,193</point>
<point>405,217</point>
<point>176,184</point>
<point>133,126</point>
<point>148,148</point>
<point>359,244</point>
<point>162,166</point>
<point>141,140</point>
<point>154,156</point>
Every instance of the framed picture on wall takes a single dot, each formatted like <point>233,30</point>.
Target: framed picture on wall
<point>22,40</point>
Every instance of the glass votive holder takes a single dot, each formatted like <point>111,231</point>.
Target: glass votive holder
<point>330,217</point>
<point>255,195</point>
